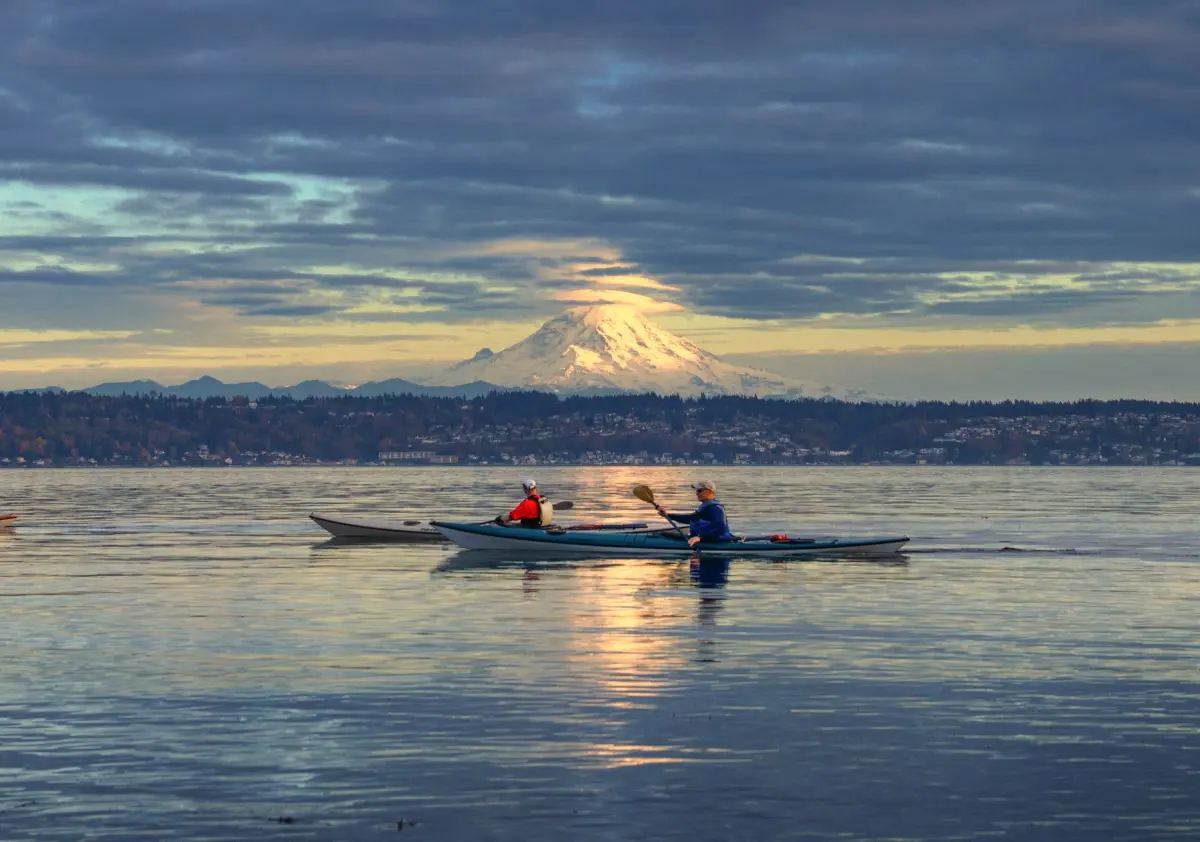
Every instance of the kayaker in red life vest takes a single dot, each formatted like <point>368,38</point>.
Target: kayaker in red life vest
<point>534,511</point>
<point>708,522</point>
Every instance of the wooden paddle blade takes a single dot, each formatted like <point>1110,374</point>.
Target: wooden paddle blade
<point>565,505</point>
<point>644,493</point>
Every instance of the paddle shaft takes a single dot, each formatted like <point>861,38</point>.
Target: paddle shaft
<point>645,494</point>
<point>676,525</point>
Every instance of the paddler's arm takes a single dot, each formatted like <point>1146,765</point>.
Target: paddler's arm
<point>704,527</point>
<point>708,525</point>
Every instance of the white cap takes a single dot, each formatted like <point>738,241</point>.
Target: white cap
<point>705,485</point>
<point>528,483</point>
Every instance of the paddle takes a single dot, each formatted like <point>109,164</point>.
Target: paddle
<point>646,495</point>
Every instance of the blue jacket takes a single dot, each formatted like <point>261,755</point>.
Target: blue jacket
<point>707,522</point>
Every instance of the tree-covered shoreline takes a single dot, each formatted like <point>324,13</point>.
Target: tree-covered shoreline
<point>529,427</point>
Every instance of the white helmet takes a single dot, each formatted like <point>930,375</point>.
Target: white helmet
<point>529,483</point>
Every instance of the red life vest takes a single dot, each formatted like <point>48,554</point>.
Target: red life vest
<point>535,510</point>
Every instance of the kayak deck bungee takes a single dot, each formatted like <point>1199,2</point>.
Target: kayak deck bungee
<point>656,542</point>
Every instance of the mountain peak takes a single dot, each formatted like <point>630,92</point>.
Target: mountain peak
<point>594,314</point>
<point>615,348</point>
<point>481,354</point>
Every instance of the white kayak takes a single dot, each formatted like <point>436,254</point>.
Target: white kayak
<point>408,531</point>
<point>420,532</point>
<point>654,543</point>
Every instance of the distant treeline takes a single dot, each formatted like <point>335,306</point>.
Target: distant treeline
<point>66,427</point>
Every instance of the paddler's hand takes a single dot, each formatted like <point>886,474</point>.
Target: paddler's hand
<point>661,510</point>
<point>693,541</point>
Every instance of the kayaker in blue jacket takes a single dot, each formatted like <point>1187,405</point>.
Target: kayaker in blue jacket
<point>708,522</point>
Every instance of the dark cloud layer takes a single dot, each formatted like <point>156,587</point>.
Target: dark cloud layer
<point>943,144</point>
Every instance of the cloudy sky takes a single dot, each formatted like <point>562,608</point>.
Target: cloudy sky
<point>939,197</point>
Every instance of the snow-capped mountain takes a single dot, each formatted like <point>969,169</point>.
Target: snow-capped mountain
<point>597,349</point>
<point>614,348</point>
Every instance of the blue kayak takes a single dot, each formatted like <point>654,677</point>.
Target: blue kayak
<point>652,543</point>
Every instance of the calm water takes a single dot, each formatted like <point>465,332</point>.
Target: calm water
<point>184,656</point>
